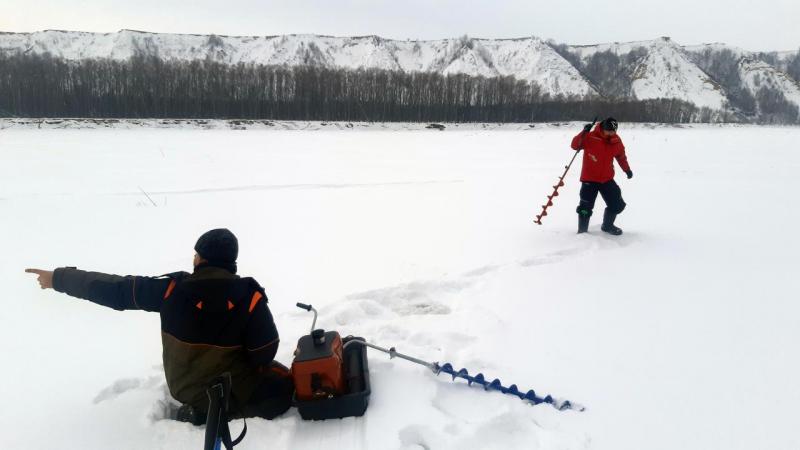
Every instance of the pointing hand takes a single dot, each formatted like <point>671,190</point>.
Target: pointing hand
<point>45,277</point>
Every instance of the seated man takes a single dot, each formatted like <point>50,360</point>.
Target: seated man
<point>212,321</point>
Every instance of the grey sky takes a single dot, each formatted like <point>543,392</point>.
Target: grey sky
<point>764,25</point>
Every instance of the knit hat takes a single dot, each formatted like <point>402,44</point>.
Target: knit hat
<point>219,247</point>
<point>610,124</point>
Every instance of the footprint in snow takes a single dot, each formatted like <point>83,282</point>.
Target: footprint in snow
<point>124,385</point>
<point>358,312</point>
<point>420,437</point>
<point>415,298</point>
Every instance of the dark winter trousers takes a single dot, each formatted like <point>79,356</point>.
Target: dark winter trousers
<point>273,396</point>
<point>610,192</point>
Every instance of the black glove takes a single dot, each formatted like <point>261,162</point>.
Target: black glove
<point>587,128</point>
<point>629,173</point>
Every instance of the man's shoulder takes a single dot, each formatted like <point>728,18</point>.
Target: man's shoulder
<point>252,283</point>
<point>175,275</point>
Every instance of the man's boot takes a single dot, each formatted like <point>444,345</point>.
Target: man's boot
<point>188,413</point>
<point>608,223</point>
<point>583,220</point>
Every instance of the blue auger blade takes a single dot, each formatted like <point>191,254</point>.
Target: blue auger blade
<point>497,385</point>
<point>446,368</point>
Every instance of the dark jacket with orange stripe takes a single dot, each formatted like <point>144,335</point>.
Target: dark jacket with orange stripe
<point>212,321</point>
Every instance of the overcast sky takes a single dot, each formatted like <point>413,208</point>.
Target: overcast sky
<point>764,25</point>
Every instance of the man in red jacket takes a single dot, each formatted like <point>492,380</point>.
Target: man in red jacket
<point>600,147</point>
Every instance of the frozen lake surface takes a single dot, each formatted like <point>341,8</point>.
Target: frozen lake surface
<point>683,333</point>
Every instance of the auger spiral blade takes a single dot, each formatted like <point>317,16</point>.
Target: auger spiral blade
<point>496,385</point>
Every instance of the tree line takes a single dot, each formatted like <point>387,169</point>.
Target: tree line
<point>148,87</point>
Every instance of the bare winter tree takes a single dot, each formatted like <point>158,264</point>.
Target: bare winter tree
<point>146,86</point>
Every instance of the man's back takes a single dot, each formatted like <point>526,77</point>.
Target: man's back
<point>212,321</point>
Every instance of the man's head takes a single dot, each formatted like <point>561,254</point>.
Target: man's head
<point>219,248</point>
<point>609,126</point>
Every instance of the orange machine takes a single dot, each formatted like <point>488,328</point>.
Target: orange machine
<point>317,369</point>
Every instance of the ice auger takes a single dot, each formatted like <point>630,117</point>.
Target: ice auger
<point>325,356</point>
<point>559,184</point>
<point>495,385</point>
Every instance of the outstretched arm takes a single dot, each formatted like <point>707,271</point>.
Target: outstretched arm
<point>113,291</point>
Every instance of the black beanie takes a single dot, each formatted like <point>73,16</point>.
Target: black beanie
<point>219,247</point>
<point>610,124</point>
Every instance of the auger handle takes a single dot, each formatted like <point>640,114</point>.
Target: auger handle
<point>309,308</point>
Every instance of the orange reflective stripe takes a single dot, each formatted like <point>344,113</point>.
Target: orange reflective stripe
<point>230,305</point>
<point>169,289</point>
<point>254,301</point>
<point>199,305</point>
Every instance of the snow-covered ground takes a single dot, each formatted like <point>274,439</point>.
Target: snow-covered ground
<point>681,334</point>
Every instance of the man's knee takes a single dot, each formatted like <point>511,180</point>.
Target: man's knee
<point>273,396</point>
<point>584,210</point>
<point>617,207</point>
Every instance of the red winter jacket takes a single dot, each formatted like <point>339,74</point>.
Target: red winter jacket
<point>598,153</point>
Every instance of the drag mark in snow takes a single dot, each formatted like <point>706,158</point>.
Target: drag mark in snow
<point>480,271</point>
<point>268,187</point>
<point>552,258</point>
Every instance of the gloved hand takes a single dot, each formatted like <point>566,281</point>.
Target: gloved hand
<point>629,173</point>
<point>587,128</point>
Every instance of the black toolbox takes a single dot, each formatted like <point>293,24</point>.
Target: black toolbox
<point>355,401</point>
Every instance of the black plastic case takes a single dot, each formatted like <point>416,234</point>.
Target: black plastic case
<point>355,401</point>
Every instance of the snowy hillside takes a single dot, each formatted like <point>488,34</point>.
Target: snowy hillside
<point>528,59</point>
<point>752,70</point>
<point>658,68</point>
<point>756,74</point>
<point>680,334</point>
<point>667,73</point>
<point>664,71</point>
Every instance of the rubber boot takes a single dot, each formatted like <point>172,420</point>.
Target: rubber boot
<point>188,413</point>
<point>608,223</point>
<point>583,222</point>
